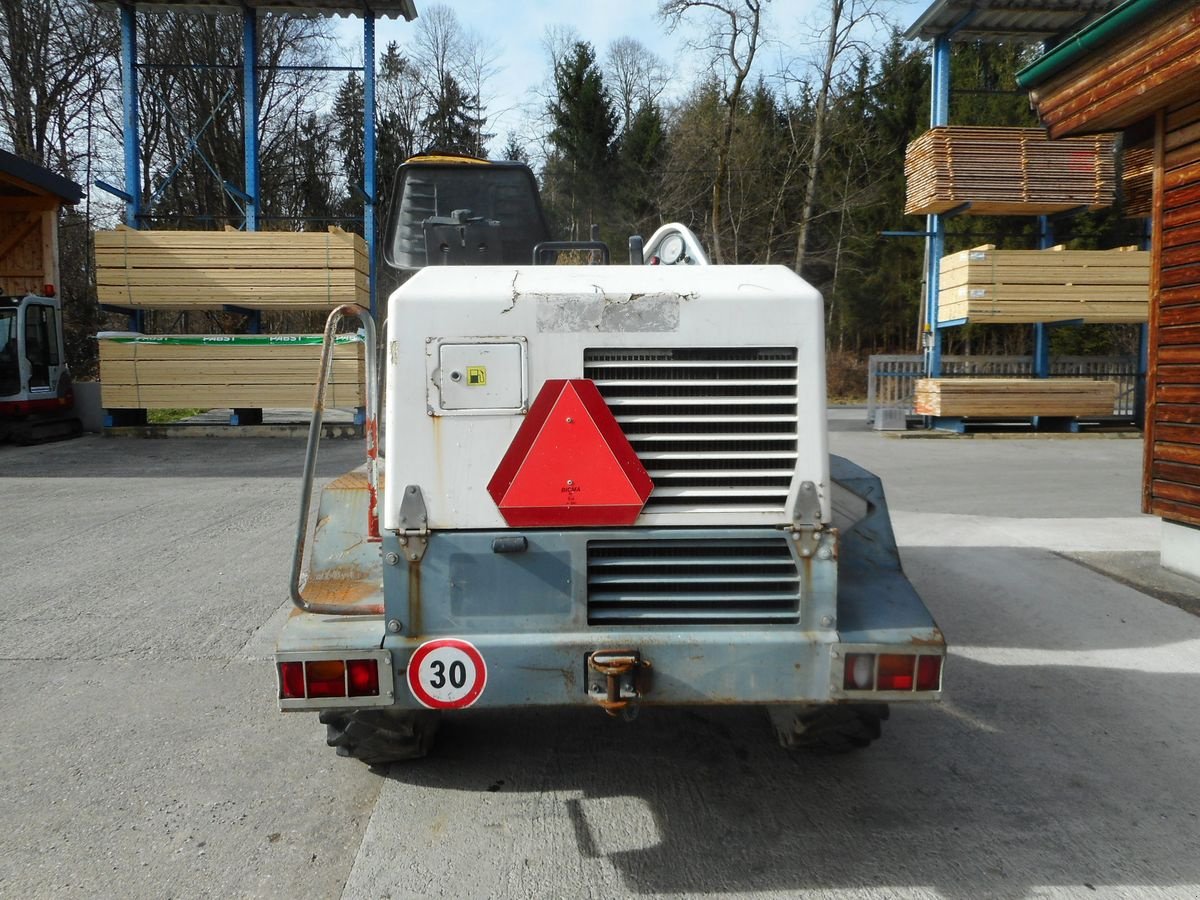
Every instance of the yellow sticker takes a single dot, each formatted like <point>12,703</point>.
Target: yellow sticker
<point>476,376</point>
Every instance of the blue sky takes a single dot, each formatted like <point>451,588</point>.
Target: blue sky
<point>516,31</point>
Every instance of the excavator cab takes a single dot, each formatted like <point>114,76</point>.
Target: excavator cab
<point>37,398</point>
<point>460,210</point>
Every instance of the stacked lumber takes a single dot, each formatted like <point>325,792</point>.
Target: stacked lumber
<point>1014,397</point>
<point>235,371</point>
<point>1007,171</point>
<point>1056,285</point>
<point>1137,181</point>
<point>259,270</point>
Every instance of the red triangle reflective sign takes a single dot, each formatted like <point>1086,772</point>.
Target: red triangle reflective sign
<point>570,463</point>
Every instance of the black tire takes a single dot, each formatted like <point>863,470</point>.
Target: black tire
<point>829,729</point>
<point>380,736</point>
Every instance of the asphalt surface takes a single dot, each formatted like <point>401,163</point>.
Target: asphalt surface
<point>141,584</point>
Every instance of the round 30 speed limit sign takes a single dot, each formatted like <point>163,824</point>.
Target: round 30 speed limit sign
<point>447,673</point>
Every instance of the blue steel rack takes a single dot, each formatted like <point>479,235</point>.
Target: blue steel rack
<point>247,193</point>
<point>1033,21</point>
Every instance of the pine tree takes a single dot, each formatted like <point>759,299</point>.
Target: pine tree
<point>348,113</point>
<point>640,157</point>
<point>450,125</point>
<point>584,133</point>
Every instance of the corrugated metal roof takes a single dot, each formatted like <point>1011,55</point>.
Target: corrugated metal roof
<point>383,9</point>
<point>1028,21</point>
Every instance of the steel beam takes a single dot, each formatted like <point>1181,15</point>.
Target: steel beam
<point>129,107</point>
<point>1143,369</point>
<point>939,111</point>
<point>250,130</point>
<point>935,243</point>
<point>250,112</point>
<point>131,139</point>
<point>1041,331</point>
<point>369,230</point>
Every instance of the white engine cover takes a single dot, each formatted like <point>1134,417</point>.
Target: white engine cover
<point>469,347</point>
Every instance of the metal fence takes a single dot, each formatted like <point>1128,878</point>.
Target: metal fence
<point>891,379</point>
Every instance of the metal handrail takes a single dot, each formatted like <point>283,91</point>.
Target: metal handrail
<point>371,432</point>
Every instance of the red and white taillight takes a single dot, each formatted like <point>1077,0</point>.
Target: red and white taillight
<point>867,672</point>
<point>324,679</point>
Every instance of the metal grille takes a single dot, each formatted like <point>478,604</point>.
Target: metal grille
<point>716,428</point>
<point>717,581</point>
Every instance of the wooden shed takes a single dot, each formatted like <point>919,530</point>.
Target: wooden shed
<point>1137,70</point>
<point>30,198</point>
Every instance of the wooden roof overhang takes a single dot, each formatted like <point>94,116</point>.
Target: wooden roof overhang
<point>382,9</point>
<point>1119,70</point>
<point>25,186</point>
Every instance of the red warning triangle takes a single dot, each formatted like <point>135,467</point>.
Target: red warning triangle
<point>570,463</point>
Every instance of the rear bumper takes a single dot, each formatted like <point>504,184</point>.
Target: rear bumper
<point>534,619</point>
<point>702,668</point>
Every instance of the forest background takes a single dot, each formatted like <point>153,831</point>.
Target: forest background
<point>802,166</point>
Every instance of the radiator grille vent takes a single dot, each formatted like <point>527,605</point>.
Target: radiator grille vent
<point>716,428</point>
<point>717,581</point>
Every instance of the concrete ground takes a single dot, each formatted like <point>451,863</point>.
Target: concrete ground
<point>141,584</point>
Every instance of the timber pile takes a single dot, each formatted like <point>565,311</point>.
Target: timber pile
<point>1014,397</point>
<point>1007,171</point>
<point>235,371</point>
<point>1137,182</point>
<point>276,270</point>
<point>1055,285</point>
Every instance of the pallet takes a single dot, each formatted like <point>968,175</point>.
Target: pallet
<point>1055,285</point>
<point>1007,171</point>
<point>1016,397</point>
<point>265,270</point>
<point>217,371</point>
<point>1009,424</point>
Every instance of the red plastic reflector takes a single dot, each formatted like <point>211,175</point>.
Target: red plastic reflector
<point>291,680</point>
<point>570,463</point>
<point>929,673</point>
<point>896,672</point>
<point>363,675</point>
<point>860,672</point>
<point>325,678</point>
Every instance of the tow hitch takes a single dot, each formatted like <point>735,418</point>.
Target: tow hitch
<point>616,678</point>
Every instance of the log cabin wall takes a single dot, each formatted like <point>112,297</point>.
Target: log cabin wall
<point>28,250</point>
<point>1171,486</point>
<point>1128,81</point>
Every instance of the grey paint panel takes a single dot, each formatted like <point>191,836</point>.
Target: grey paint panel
<point>609,313</point>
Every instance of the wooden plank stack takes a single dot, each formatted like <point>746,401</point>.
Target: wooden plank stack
<point>235,371</point>
<point>1137,182</point>
<point>1014,397</point>
<point>1013,286</point>
<point>264,270</point>
<point>1007,171</point>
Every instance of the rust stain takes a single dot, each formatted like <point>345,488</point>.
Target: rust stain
<point>371,429</point>
<point>355,480</point>
<point>345,586</point>
<point>414,597</point>
<point>937,640</point>
<point>338,591</point>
